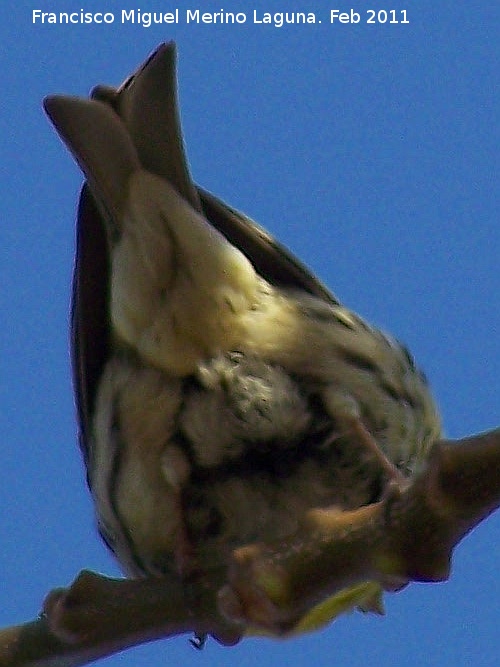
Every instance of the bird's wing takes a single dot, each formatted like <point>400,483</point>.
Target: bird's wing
<point>96,137</point>
<point>270,259</point>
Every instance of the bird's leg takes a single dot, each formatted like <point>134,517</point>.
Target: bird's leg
<point>344,409</point>
<point>396,480</point>
<point>184,556</point>
<point>176,470</point>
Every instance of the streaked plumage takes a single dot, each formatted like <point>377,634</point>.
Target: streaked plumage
<point>222,390</point>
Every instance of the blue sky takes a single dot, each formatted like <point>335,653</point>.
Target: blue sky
<point>372,152</point>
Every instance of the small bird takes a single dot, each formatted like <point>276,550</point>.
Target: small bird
<point>222,390</point>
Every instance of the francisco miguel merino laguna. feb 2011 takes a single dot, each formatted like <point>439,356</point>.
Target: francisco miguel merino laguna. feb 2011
<point>276,19</point>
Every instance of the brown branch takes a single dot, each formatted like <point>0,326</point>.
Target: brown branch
<point>97,616</point>
<point>406,537</point>
<point>409,536</point>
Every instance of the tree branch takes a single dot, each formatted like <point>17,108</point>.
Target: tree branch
<point>408,536</point>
